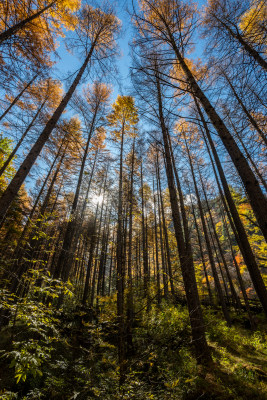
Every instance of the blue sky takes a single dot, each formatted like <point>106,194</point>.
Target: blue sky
<point>70,63</point>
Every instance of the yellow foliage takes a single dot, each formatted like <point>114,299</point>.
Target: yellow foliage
<point>253,22</point>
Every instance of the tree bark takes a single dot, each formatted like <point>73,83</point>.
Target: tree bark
<point>251,184</point>
<point>14,186</point>
<point>185,256</point>
<point>15,28</point>
<point>241,235</point>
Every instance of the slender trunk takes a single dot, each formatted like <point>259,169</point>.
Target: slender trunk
<point>120,270</point>
<point>65,257</point>
<point>256,197</point>
<point>18,97</point>
<point>208,244</point>
<point>163,264</point>
<point>14,151</point>
<point>157,250</point>
<point>20,25</point>
<point>14,186</point>
<point>202,253</point>
<point>241,235</point>
<point>239,276</point>
<point>145,258</point>
<point>90,261</point>
<point>233,291</point>
<point>185,256</point>
<point>246,46</point>
<point>89,186</point>
<point>29,219</point>
<point>244,108</point>
<point>168,253</point>
<point>130,310</point>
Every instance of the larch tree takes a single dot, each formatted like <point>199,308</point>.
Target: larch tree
<point>96,33</point>
<point>122,120</point>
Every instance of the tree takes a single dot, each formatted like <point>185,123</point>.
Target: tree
<point>122,119</point>
<point>96,32</point>
<point>233,20</point>
<point>170,24</point>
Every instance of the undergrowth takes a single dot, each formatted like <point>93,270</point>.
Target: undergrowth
<point>72,353</point>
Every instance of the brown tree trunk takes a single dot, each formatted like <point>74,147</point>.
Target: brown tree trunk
<point>256,197</point>
<point>18,97</point>
<point>208,244</point>
<point>185,256</point>
<point>202,253</point>
<point>14,186</point>
<point>144,241</point>
<point>14,151</point>
<point>168,253</point>
<point>157,250</point>
<point>249,49</point>
<point>233,291</point>
<point>120,271</point>
<point>241,235</point>
<point>247,113</point>
<point>65,257</point>
<point>15,28</point>
<point>130,310</point>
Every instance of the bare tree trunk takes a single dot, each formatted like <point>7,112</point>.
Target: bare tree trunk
<point>18,97</point>
<point>14,151</point>
<point>14,186</point>
<point>208,244</point>
<point>145,257</point>
<point>157,250</point>
<point>168,254</point>
<point>247,113</point>
<point>163,265</point>
<point>246,46</point>
<point>202,253</point>
<point>186,258</point>
<point>15,28</point>
<point>66,257</point>
<point>130,310</point>
<point>241,235</point>
<point>233,291</point>
<point>120,271</point>
<point>256,197</point>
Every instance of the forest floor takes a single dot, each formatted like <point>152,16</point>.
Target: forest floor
<point>75,356</point>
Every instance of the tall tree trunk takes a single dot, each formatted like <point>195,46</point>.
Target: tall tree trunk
<point>168,253</point>
<point>14,186</point>
<point>208,244</point>
<point>239,276</point>
<point>66,257</point>
<point>202,253</point>
<point>144,241</point>
<point>246,46</point>
<point>130,310</point>
<point>163,264</point>
<point>20,25</point>
<point>185,256</point>
<point>233,291</point>
<point>90,260</point>
<point>157,250</point>
<point>247,113</point>
<point>256,197</point>
<point>18,97</point>
<point>14,151</point>
<point>241,235</point>
<point>120,270</point>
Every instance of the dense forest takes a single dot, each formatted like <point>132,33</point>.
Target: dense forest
<point>133,199</point>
